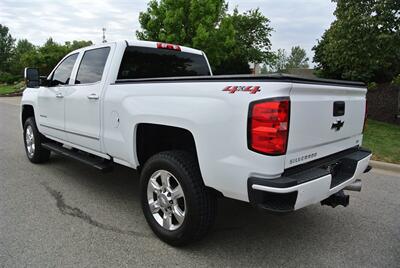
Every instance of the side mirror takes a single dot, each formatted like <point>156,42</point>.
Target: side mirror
<point>44,82</point>
<point>32,78</point>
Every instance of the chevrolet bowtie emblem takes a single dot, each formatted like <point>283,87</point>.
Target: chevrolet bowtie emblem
<point>337,125</point>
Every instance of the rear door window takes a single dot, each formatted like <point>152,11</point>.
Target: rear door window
<point>92,66</point>
<point>144,62</point>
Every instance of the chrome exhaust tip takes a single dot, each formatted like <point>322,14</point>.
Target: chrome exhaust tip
<point>355,186</point>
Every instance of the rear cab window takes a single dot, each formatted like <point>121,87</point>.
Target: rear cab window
<point>145,62</point>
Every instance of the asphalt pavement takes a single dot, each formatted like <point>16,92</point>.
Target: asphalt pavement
<point>64,214</point>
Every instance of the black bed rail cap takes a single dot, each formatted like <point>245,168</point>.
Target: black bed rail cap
<point>274,77</point>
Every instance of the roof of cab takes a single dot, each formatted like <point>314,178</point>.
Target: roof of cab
<point>140,43</point>
<point>137,43</point>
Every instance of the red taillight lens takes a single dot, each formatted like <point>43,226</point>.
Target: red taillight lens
<point>268,126</point>
<point>168,46</point>
<point>366,115</point>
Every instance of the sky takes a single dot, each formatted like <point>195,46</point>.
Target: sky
<point>295,22</point>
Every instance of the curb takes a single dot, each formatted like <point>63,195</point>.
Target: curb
<point>14,94</point>
<point>385,166</point>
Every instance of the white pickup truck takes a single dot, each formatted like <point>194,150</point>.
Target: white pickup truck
<point>277,141</point>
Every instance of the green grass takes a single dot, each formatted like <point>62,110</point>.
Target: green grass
<point>384,141</point>
<point>5,89</point>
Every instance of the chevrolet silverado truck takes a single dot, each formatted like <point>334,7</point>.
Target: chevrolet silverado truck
<point>277,141</point>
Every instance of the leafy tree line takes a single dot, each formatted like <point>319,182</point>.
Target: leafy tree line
<point>363,43</point>
<point>16,55</point>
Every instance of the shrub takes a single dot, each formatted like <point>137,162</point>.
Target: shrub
<point>396,80</point>
<point>372,86</point>
<point>8,78</point>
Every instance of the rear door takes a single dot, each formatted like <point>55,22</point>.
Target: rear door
<point>324,119</point>
<point>83,100</point>
<point>51,102</point>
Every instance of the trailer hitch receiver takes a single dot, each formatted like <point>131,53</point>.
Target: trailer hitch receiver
<point>339,198</point>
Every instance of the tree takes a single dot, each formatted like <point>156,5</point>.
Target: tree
<point>297,58</point>
<point>47,56</point>
<point>230,41</point>
<point>252,43</point>
<point>21,53</point>
<point>252,33</point>
<point>71,46</point>
<point>362,43</point>
<point>6,48</point>
<point>279,61</point>
<point>13,59</point>
<point>264,69</point>
<point>194,23</point>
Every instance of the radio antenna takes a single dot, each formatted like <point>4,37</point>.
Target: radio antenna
<point>104,35</point>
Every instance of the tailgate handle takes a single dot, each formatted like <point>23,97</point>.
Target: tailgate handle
<point>338,108</point>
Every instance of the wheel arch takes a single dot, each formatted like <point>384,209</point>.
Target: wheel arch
<point>27,111</point>
<point>152,138</point>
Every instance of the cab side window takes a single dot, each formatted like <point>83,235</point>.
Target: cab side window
<point>63,72</point>
<point>92,66</point>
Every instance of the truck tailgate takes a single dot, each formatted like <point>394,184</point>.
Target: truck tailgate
<point>324,119</point>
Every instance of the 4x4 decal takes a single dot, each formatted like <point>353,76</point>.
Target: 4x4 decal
<point>250,89</point>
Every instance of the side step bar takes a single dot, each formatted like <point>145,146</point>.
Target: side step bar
<point>93,161</point>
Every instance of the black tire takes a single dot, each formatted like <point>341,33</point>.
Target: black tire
<point>40,154</point>
<point>200,202</point>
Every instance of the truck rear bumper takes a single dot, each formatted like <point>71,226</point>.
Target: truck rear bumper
<point>309,183</point>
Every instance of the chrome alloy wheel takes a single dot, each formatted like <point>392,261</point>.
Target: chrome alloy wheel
<point>30,141</point>
<point>166,200</point>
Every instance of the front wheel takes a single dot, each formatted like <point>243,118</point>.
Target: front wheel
<point>177,205</point>
<point>33,142</point>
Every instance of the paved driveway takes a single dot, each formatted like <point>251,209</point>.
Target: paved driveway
<point>63,213</point>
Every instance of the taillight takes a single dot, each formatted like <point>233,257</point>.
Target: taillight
<point>365,116</point>
<point>168,46</point>
<point>268,126</point>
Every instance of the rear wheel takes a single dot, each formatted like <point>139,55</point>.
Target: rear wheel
<point>177,205</point>
<point>33,142</point>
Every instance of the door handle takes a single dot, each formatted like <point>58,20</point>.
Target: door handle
<point>59,95</point>
<point>93,96</point>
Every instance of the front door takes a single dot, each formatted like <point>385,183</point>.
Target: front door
<point>83,99</point>
<point>51,102</point>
